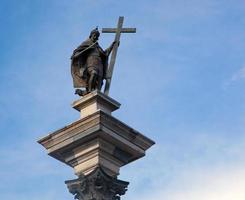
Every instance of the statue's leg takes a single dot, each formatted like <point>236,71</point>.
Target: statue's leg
<point>92,81</point>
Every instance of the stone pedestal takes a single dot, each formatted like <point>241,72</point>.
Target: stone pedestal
<point>97,143</point>
<point>93,102</point>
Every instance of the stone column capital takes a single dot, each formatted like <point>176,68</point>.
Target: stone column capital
<point>97,186</point>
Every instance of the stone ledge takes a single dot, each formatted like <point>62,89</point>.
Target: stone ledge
<point>125,143</point>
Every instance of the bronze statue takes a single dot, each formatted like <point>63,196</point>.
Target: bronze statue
<point>89,64</point>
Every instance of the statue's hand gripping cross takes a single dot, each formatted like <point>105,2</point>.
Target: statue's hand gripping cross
<point>118,32</point>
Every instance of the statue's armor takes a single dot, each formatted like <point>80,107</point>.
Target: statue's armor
<point>94,61</point>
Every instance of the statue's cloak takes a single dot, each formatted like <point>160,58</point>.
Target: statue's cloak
<point>78,63</point>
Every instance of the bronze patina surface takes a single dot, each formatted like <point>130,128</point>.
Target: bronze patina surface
<point>89,62</point>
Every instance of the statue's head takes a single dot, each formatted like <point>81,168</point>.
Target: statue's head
<point>94,34</point>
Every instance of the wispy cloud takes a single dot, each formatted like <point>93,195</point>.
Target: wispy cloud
<point>238,75</point>
<point>209,168</point>
<point>220,183</point>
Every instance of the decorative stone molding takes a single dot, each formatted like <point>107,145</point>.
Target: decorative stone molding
<point>97,186</point>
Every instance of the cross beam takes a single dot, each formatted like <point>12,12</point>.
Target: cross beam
<point>118,32</point>
<point>123,30</point>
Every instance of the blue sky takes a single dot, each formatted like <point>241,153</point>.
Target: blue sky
<point>180,80</point>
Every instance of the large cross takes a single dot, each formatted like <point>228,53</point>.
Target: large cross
<point>118,32</point>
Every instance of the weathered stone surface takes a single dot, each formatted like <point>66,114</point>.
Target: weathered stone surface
<point>97,186</point>
<point>93,102</point>
<point>98,140</point>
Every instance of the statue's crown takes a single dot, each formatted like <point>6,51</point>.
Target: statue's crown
<point>95,31</point>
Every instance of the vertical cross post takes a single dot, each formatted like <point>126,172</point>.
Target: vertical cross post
<point>118,32</point>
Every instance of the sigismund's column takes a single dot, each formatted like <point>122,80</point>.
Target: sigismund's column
<point>96,146</point>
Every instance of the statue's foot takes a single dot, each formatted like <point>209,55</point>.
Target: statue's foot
<point>80,92</point>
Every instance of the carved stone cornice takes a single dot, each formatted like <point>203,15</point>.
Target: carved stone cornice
<point>98,140</point>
